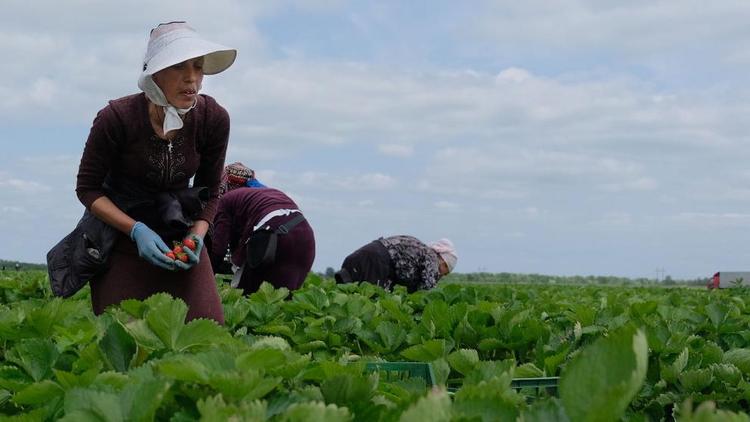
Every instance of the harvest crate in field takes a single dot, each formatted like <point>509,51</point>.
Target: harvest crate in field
<point>401,371</point>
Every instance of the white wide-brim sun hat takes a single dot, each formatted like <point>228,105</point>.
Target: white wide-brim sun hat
<point>175,42</point>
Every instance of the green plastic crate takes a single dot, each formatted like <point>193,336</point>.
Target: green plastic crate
<point>394,371</point>
<point>548,384</point>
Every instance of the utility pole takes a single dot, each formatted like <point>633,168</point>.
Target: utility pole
<point>659,274</point>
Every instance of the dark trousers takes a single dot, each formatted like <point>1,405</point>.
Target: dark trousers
<point>371,263</point>
<point>295,253</point>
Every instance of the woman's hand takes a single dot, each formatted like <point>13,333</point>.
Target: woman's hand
<point>151,247</point>
<point>193,253</point>
<point>197,232</point>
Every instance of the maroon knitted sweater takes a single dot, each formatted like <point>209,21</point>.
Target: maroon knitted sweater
<point>123,148</point>
<point>239,211</point>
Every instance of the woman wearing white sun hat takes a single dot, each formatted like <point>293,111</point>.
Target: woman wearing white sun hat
<point>134,174</point>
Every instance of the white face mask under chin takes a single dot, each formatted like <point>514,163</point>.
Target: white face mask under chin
<point>172,120</point>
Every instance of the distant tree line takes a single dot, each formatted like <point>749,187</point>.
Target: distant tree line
<point>485,277</point>
<point>11,265</point>
<point>515,278</point>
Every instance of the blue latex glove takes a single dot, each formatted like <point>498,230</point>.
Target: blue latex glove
<point>150,246</point>
<point>193,256</point>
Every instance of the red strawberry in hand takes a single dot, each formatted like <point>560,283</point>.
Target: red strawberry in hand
<point>189,243</point>
<point>170,255</point>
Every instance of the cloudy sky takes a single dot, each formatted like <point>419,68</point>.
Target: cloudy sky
<point>547,136</point>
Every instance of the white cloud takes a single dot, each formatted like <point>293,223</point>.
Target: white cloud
<point>509,193</point>
<point>447,205</point>
<point>314,178</point>
<point>361,182</point>
<point>394,150</point>
<point>513,74</point>
<point>553,120</point>
<point>532,212</point>
<point>11,210</point>
<point>614,219</point>
<point>502,172</point>
<point>305,105</point>
<point>24,186</point>
<point>633,28</point>
<point>741,58</point>
<point>701,219</point>
<point>371,181</point>
<point>43,92</point>
<point>639,184</point>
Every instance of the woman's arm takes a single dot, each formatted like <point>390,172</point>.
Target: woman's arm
<point>212,155</point>
<point>200,228</point>
<point>108,212</point>
<point>98,157</point>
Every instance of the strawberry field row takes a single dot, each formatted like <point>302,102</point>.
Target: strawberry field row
<point>621,354</point>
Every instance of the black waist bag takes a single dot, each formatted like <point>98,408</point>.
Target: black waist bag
<point>80,256</point>
<point>260,247</point>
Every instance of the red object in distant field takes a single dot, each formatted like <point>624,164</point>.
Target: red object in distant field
<point>713,283</point>
<point>724,279</point>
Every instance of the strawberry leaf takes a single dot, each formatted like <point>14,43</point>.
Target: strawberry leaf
<point>166,317</point>
<point>435,407</point>
<point>315,411</point>
<point>599,383</point>
<point>36,356</point>
<point>200,332</point>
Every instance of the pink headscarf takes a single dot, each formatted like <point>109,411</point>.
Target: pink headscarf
<point>447,251</point>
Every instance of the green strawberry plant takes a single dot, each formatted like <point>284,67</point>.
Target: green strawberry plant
<point>622,353</point>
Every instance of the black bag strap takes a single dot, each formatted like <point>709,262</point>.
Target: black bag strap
<point>264,240</point>
<point>289,225</point>
<point>269,256</point>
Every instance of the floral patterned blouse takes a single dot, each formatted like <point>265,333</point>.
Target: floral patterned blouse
<point>415,265</point>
